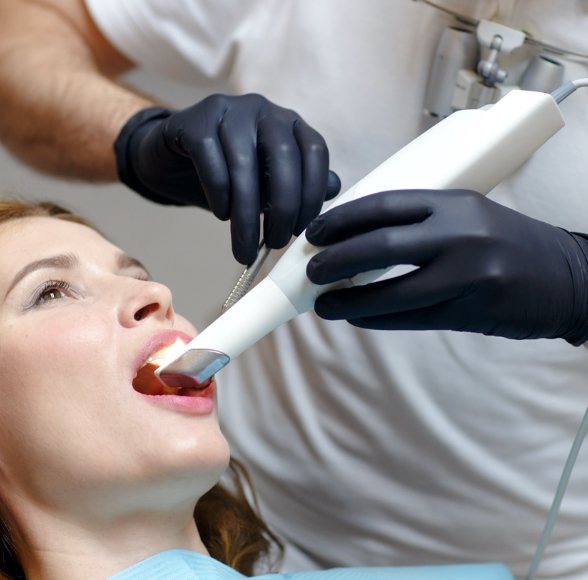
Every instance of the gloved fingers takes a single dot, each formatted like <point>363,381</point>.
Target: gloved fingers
<point>421,288</point>
<point>245,225</point>
<point>382,248</point>
<point>333,185</point>
<point>378,210</point>
<point>245,239</point>
<point>461,316</point>
<point>431,318</point>
<point>194,135</point>
<point>315,173</point>
<point>281,163</point>
<point>211,169</point>
<point>238,142</point>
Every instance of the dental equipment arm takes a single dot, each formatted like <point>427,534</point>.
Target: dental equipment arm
<point>470,149</point>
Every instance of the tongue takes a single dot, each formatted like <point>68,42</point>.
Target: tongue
<point>146,381</point>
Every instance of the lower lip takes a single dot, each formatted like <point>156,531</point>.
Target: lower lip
<point>193,404</point>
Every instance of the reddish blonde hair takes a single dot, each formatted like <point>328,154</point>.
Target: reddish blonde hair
<point>229,525</point>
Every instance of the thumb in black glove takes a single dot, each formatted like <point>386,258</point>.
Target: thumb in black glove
<point>238,156</point>
<point>482,267</point>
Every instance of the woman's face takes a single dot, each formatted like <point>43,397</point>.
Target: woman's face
<point>77,319</point>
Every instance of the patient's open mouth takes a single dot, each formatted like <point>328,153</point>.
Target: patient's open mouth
<point>147,382</point>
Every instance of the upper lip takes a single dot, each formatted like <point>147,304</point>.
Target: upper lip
<point>157,342</point>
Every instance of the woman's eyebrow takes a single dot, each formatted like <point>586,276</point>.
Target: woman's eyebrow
<point>63,261</point>
<point>125,261</point>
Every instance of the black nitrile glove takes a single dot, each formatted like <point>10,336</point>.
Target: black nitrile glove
<point>482,267</point>
<point>238,156</point>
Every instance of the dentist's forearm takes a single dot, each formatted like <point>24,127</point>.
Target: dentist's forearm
<point>61,110</point>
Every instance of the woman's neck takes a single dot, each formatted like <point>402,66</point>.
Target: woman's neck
<point>87,545</point>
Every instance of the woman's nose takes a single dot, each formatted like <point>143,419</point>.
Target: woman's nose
<point>146,299</point>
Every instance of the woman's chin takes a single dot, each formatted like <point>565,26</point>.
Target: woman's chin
<point>193,457</point>
<point>166,483</point>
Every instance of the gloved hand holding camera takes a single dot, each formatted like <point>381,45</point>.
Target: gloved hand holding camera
<point>482,267</point>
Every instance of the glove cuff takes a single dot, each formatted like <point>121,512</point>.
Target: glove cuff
<point>139,122</point>
<point>579,334</point>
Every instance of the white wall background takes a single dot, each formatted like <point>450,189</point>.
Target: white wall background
<point>188,249</point>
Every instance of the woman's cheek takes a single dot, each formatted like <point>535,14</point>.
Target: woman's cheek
<point>64,346</point>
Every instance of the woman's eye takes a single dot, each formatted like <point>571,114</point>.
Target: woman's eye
<point>52,291</point>
<point>51,294</point>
